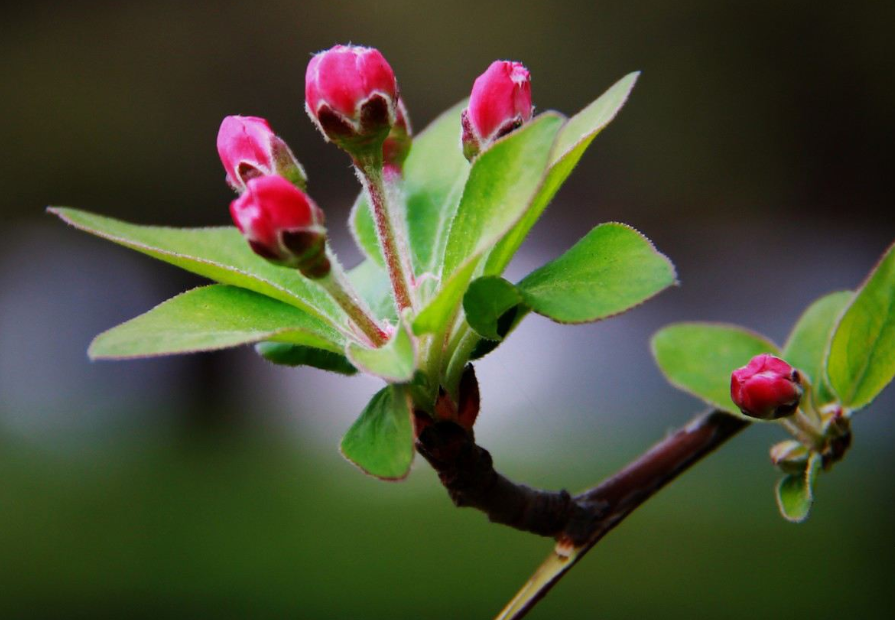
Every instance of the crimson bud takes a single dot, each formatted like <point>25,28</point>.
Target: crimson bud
<point>249,148</point>
<point>500,102</point>
<point>766,388</point>
<point>282,224</point>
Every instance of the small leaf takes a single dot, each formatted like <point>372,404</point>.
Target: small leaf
<point>612,269</point>
<point>486,301</point>
<point>507,322</point>
<point>862,353</point>
<point>209,318</point>
<point>380,442</point>
<point>395,361</point>
<point>795,492</point>
<point>699,357</point>
<point>434,175</point>
<point>219,254</point>
<point>502,183</point>
<point>571,143</point>
<point>298,355</point>
<point>809,341</point>
<point>372,284</point>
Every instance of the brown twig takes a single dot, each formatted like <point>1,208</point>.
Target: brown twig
<point>578,523</point>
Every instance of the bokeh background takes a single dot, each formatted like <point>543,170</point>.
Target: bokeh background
<point>754,152</point>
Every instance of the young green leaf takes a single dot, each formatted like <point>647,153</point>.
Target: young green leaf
<point>699,357</point>
<point>298,355</point>
<point>209,318</point>
<point>220,254</point>
<point>861,361</point>
<point>795,492</point>
<point>372,284</point>
<point>434,175</point>
<point>486,301</point>
<point>395,361</point>
<point>571,143</point>
<point>809,341</point>
<point>503,182</point>
<point>380,442</point>
<point>612,269</point>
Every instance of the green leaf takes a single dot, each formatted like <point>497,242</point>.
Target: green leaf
<point>380,442</point>
<point>809,341</point>
<point>862,353</point>
<point>434,175</point>
<point>298,355</point>
<point>395,361</point>
<point>699,357</point>
<point>571,143</point>
<point>372,284</point>
<point>612,269</point>
<point>503,182</point>
<point>486,301</point>
<point>209,318</point>
<point>507,322</point>
<point>795,492</point>
<point>220,254</point>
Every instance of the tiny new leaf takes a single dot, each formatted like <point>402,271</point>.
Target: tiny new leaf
<point>699,357</point>
<point>395,361</point>
<point>210,318</point>
<point>380,442</point>
<point>795,492</point>
<point>486,300</point>
<point>807,346</point>
<point>612,269</point>
<point>861,361</point>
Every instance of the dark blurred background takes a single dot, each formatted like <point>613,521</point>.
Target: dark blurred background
<point>753,152</point>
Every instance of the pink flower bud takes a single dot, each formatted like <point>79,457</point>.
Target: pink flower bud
<point>351,94</point>
<point>397,145</point>
<point>249,149</point>
<point>500,102</point>
<point>766,388</point>
<point>282,224</point>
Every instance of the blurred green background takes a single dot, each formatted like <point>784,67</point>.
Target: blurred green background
<point>754,152</point>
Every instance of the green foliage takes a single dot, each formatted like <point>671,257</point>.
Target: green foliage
<point>699,357</point>
<point>862,353</point>
<point>372,284</point>
<point>220,254</point>
<point>209,318</point>
<point>795,492</point>
<point>502,183</point>
<point>380,442</point>
<point>298,355</point>
<point>612,269</point>
<point>487,300</point>
<point>807,346</point>
<point>434,175</point>
<point>395,361</point>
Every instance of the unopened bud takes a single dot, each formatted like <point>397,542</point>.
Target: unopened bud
<point>766,388</point>
<point>351,95</point>
<point>397,145</point>
<point>249,149</point>
<point>500,102</point>
<point>282,224</point>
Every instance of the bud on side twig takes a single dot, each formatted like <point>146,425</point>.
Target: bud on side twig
<point>397,145</point>
<point>766,388</point>
<point>282,224</point>
<point>249,149</point>
<point>500,102</point>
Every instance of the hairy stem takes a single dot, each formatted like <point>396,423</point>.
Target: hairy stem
<point>396,261</point>
<point>340,289</point>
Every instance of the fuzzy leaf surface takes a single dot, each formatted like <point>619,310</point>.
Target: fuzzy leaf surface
<point>795,492</point>
<point>502,183</point>
<point>218,253</point>
<point>571,143</point>
<point>285,354</point>
<point>807,346</point>
<point>210,318</point>
<point>372,284</point>
<point>699,357</point>
<point>380,442</point>
<point>612,269</point>
<point>395,361</point>
<point>862,353</point>
<point>434,175</point>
